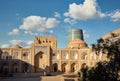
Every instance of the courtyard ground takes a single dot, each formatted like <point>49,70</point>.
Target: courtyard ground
<point>40,78</point>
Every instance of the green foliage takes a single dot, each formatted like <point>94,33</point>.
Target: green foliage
<point>84,73</point>
<point>106,70</point>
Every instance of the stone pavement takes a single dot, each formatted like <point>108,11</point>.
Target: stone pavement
<point>42,78</point>
<point>20,79</point>
<point>52,78</point>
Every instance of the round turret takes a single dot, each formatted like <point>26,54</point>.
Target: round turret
<point>75,34</point>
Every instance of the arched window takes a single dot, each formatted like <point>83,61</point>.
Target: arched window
<point>83,65</point>
<point>84,56</point>
<point>5,55</point>
<point>55,54</point>
<point>63,67</point>
<point>73,67</point>
<point>15,55</point>
<point>15,67</point>
<point>75,56</point>
<point>65,55</point>
<point>55,67</point>
<point>25,67</point>
<point>25,55</point>
<point>43,41</point>
<point>91,56</point>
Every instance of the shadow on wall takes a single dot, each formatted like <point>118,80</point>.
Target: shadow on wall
<point>10,65</point>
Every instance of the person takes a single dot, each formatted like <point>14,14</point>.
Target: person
<point>25,73</point>
<point>44,73</point>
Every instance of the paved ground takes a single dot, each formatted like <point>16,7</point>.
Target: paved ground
<point>52,78</point>
<point>43,78</point>
<point>21,79</point>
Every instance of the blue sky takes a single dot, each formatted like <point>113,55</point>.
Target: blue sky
<point>21,20</point>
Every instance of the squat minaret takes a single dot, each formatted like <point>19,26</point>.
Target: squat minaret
<point>75,34</point>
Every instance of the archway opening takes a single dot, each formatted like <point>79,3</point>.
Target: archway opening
<point>63,67</point>
<point>15,67</point>
<point>73,67</point>
<point>25,67</point>
<point>5,66</point>
<point>38,56</point>
<point>83,65</point>
<point>55,67</point>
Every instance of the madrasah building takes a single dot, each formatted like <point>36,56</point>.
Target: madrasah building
<point>45,56</point>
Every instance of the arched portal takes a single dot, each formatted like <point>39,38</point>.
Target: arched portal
<point>38,56</point>
<point>15,67</point>
<point>5,67</point>
<point>83,65</point>
<point>73,67</point>
<point>25,67</point>
<point>63,67</point>
<point>55,67</point>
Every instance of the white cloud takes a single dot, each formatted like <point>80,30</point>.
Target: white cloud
<point>15,42</point>
<point>87,10</point>
<point>51,22</point>
<point>66,14</point>
<point>115,16</point>
<point>70,21</point>
<point>57,15</point>
<point>5,46</point>
<point>39,24</point>
<point>14,32</point>
<point>21,43</point>
<point>30,33</point>
<point>51,31</point>
<point>48,32</point>
<point>29,43</point>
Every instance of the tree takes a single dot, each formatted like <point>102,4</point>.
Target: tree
<point>84,73</point>
<point>106,70</point>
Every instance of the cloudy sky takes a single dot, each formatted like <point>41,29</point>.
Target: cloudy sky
<point>21,20</point>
